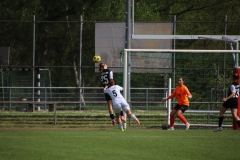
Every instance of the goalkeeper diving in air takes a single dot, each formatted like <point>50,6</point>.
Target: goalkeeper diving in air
<point>183,95</point>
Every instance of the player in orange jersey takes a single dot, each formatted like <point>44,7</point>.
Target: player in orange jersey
<point>183,95</point>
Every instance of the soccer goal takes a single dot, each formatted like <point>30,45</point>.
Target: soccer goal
<point>206,73</point>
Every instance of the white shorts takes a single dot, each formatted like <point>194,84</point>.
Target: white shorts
<point>121,106</point>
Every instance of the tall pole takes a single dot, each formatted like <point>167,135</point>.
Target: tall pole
<point>132,17</point>
<point>128,45</point>
<point>174,47</point>
<point>34,48</point>
<point>80,62</point>
<point>173,54</point>
<point>224,63</point>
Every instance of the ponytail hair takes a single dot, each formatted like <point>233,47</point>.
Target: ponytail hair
<point>101,67</point>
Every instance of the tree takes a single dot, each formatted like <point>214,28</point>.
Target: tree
<point>57,28</point>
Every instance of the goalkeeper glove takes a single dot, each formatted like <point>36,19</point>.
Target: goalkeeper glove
<point>164,99</point>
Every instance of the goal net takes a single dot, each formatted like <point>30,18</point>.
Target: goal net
<point>146,74</point>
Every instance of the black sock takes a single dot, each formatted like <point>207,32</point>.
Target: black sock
<point>238,122</point>
<point>220,121</point>
<point>112,116</point>
<point>121,113</point>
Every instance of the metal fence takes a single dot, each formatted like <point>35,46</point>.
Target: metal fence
<point>145,98</point>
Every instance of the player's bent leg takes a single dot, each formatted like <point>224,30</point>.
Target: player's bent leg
<point>182,118</point>
<point>130,115</point>
<point>234,114</point>
<point>235,117</point>
<point>110,110</point>
<point>110,107</point>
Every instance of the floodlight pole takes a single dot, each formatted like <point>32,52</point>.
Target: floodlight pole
<point>34,48</point>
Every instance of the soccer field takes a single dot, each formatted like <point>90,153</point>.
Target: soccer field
<point>108,144</point>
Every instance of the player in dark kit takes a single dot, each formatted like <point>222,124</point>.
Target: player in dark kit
<point>106,76</point>
<point>231,101</point>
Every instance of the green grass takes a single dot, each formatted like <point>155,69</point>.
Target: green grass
<point>108,144</point>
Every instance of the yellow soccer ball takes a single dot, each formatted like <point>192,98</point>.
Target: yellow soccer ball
<point>96,59</point>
